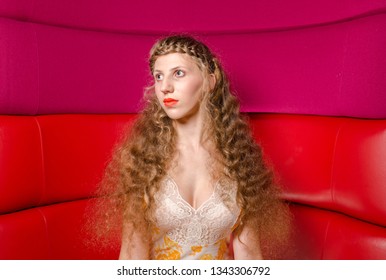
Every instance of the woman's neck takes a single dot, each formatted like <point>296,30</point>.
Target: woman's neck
<point>190,131</point>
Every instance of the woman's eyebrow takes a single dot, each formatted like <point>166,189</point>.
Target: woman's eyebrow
<point>172,69</point>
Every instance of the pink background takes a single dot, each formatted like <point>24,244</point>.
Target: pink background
<point>300,57</point>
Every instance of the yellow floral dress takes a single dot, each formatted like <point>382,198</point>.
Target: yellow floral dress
<point>186,233</point>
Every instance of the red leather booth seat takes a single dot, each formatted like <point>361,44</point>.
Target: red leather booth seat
<point>50,166</point>
<point>332,171</point>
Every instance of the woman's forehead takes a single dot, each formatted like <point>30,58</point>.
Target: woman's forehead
<point>174,60</point>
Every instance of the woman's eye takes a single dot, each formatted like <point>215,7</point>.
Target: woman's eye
<point>180,73</point>
<point>158,77</point>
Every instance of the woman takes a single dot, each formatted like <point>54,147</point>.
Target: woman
<point>190,177</point>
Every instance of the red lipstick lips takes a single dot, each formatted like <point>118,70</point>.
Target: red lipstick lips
<point>170,102</point>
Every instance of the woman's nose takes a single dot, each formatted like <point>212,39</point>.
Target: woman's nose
<point>167,86</point>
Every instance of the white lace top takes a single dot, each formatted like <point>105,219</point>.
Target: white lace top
<point>186,233</point>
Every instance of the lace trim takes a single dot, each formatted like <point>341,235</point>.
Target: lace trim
<point>206,225</point>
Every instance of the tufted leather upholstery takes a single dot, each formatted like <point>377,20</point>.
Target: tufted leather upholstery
<point>310,77</point>
<point>50,167</point>
<point>333,170</point>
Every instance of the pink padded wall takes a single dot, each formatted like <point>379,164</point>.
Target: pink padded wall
<point>324,59</point>
<point>201,17</point>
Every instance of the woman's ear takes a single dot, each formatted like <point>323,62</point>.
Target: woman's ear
<point>212,81</point>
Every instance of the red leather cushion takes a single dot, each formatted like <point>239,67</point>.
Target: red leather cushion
<point>333,163</point>
<point>359,170</point>
<point>48,160</point>
<point>309,232</point>
<point>23,235</point>
<point>21,167</point>
<point>67,234</point>
<point>76,149</point>
<point>321,234</point>
<point>353,239</point>
<point>300,149</point>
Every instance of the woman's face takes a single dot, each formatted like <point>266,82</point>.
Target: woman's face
<point>178,85</point>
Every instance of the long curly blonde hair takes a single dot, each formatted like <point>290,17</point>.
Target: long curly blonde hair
<point>143,158</point>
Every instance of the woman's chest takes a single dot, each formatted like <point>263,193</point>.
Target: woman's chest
<point>211,221</point>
